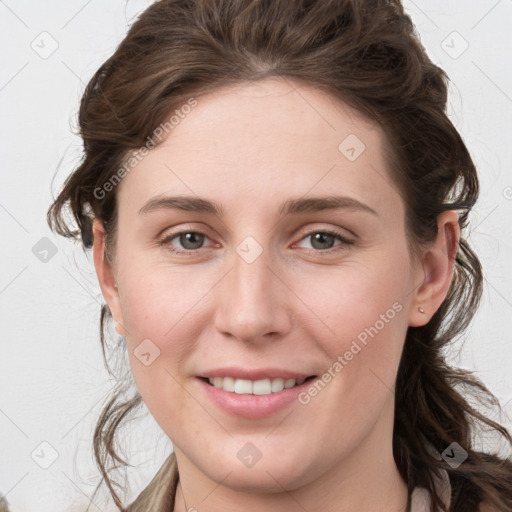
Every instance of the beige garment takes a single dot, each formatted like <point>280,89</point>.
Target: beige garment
<point>159,495</point>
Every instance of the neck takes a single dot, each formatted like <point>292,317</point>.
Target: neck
<point>385,494</point>
<point>364,481</point>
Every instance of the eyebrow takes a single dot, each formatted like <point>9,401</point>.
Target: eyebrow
<point>292,206</point>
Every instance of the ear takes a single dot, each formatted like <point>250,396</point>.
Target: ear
<point>435,272</point>
<point>106,277</point>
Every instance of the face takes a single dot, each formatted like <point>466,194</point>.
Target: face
<point>260,274</point>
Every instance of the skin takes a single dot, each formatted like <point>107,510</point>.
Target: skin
<point>297,306</point>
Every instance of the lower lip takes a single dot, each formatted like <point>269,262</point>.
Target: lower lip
<point>253,406</point>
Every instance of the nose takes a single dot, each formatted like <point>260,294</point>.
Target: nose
<point>254,302</point>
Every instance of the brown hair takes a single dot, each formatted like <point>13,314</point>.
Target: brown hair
<point>365,53</point>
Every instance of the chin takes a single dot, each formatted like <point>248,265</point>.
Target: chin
<point>270,474</point>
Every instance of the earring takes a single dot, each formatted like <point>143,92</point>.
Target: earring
<point>421,310</point>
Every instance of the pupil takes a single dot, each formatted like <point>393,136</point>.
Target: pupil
<point>189,238</point>
<point>318,237</point>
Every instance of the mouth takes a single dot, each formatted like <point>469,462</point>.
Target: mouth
<point>255,387</point>
<point>253,393</point>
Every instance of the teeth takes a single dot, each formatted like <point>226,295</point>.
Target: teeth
<point>277,385</point>
<point>289,383</point>
<point>243,387</point>
<point>226,383</point>
<point>256,387</point>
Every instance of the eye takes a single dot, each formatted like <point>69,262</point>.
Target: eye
<point>190,241</point>
<point>322,240</point>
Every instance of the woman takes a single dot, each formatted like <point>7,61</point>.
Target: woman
<point>277,205</point>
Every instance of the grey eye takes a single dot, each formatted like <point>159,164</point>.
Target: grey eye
<point>191,240</point>
<point>322,240</point>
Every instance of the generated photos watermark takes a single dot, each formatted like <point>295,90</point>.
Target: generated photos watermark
<point>356,346</point>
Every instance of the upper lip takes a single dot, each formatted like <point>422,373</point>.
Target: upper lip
<point>254,374</point>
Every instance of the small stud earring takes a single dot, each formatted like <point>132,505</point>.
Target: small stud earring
<point>421,310</point>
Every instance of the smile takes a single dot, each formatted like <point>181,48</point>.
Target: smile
<point>254,387</point>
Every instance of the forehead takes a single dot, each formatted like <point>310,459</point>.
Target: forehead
<point>264,139</point>
<point>263,109</point>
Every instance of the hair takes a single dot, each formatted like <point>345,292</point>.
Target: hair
<point>367,54</point>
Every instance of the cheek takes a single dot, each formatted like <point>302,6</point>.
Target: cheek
<point>346,302</point>
<point>360,323</point>
<point>156,303</point>
<point>367,325</point>
<point>163,312</point>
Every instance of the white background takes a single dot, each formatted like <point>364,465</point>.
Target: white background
<point>52,379</point>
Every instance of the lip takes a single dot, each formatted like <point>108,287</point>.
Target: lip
<point>254,374</point>
<point>251,406</point>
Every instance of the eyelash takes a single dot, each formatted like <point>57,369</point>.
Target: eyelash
<point>191,252</point>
